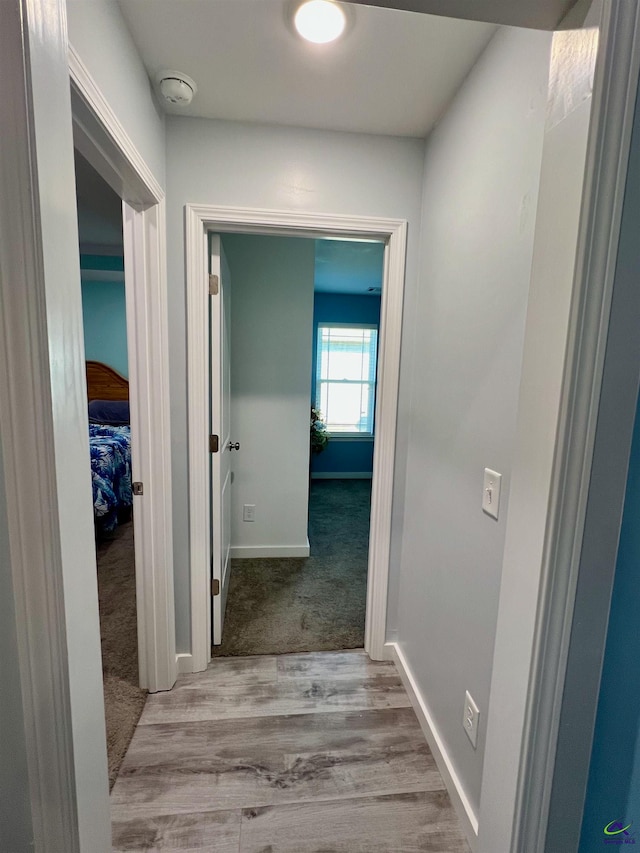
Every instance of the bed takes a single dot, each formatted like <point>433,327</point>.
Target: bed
<point>110,445</point>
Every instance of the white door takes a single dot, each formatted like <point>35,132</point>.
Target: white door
<point>221,446</point>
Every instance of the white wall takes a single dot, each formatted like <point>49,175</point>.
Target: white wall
<point>99,35</point>
<point>481,176</point>
<point>271,341</point>
<point>226,163</point>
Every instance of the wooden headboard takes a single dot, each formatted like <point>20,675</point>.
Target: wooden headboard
<point>105,383</point>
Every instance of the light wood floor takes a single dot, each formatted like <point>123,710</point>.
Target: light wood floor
<point>309,753</point>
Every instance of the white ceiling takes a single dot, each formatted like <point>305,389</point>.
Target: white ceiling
<point>393,73</point>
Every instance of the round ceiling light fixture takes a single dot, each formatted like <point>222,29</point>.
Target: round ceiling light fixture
<point>320,21</point>
<point>176,88</point>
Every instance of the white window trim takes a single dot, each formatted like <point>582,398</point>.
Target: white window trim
<point>350,436</point>
<point>328,324</point>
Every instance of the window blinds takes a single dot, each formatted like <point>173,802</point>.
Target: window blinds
<point>346,377</point>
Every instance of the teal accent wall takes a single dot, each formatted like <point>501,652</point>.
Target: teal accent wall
<point>104,263</point>
<point>342,456</point>
<point>105,323</point>
<point>613,791</point>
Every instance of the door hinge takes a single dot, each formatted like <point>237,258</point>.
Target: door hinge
<point>214,285</point>
<point>215,587</point>
<point>138,488</point>
<point>214,444</point>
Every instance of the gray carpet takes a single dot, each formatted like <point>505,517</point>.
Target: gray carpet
<point>123,699</point>
<point>314,604</point>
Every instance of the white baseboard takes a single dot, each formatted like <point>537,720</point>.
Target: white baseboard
<point>341,475</point>
<point>184,662</point>
<point>460,801</point>
<point>388,652</point>
<point>248,552</point>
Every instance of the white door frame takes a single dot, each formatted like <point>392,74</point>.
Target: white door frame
<point>200,219</point>
<point>101,139</point>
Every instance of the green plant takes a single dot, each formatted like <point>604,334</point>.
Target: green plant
<point>319,435</point>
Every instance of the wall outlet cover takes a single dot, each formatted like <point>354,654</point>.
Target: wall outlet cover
<point>249,512</point>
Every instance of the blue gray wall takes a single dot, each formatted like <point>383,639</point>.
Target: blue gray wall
<point>342,455</point>
<point>481,176</point>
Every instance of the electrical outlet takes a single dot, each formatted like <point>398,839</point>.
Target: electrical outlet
<point>470,719</point>
<point>249,512</point>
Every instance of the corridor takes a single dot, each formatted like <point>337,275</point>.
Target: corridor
<point>283,754</point>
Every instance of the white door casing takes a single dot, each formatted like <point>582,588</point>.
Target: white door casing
<point>220,413</point>
<point>200,220</point>
<point>101,139</point>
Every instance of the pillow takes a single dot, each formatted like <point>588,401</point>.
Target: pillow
<point>112,412</point>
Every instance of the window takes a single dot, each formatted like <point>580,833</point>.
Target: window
<point>346,377</point>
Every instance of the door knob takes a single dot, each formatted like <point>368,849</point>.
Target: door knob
<point>234,446</point>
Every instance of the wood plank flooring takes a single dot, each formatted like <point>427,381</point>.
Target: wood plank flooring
<point>308,753</point>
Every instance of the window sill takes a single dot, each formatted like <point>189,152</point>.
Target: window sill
<point>350,436</point>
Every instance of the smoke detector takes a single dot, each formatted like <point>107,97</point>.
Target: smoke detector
<point>176,88</point>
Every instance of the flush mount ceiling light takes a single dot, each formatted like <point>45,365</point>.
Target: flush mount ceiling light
<point>176,88</point>
<point>320,21</point>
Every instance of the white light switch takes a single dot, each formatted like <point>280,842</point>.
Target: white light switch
<point>491,492</point>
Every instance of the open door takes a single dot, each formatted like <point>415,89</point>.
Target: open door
<point>220,442</point>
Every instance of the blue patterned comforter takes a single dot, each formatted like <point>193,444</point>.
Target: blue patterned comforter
<point>110,448</point>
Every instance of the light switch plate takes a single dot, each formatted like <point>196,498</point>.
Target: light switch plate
<point>491,492</point>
